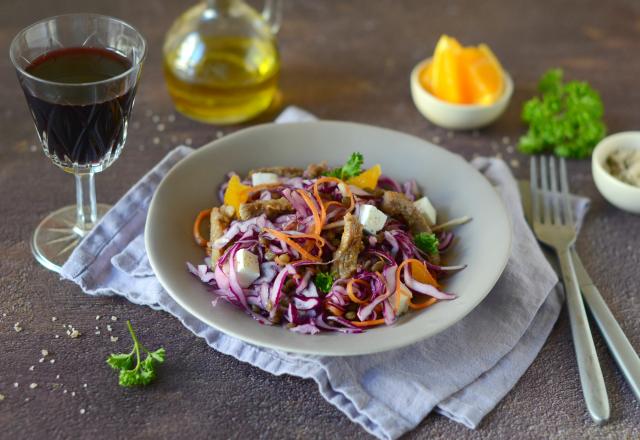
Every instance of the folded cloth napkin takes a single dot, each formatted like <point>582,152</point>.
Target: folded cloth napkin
<point>461,373</point>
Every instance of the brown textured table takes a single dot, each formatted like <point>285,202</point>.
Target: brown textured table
<point>341,60</point>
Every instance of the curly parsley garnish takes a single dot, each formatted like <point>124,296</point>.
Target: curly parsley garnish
<point>427,242</point>
<point>323,281</point>
<point>352,168</point>
<point>565,120</point>
<point>133,370</point>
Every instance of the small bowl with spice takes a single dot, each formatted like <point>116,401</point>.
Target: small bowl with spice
<point>615,166</point>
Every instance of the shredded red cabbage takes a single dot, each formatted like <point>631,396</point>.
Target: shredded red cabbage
<point>286,291</point>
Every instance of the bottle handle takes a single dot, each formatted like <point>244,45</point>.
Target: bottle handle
<point>272,14</point>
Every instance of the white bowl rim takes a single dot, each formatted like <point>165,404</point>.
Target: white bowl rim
<point>505,96</point>
<point>605,146</point>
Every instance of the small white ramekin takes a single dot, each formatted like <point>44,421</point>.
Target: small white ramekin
<point>619,193</point>
<point>456,116</point>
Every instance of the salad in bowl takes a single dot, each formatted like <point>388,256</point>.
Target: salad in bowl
<point>322,249</point>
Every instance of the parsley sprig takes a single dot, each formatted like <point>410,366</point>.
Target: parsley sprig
<point>566,119</point>
<point>323,281</point>
<point>352,168</point>
<point>427,242</point>
<point>133,370</point>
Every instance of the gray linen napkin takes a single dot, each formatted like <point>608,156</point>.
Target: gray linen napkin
<point>461,373</point>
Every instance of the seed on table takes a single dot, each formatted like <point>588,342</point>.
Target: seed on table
<point>33,386</point>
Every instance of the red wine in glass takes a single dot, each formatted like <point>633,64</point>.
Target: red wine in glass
<point>79,74</point>
<point>77,130</point>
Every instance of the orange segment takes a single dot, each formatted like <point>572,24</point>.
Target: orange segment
<point>469,75</point>
<point>445,72</point>
<point>236,193</point>
<point>484,75</point>
<point>367,179</point>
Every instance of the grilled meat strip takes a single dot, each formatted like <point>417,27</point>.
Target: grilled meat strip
<point>346,256</point>
<point>272,208</point>
<point>220,219</point>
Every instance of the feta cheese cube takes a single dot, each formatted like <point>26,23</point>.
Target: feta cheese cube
<point>371,218</point>
<point>247,267</point>
<point>425,208</point>
<point>403,307</point>
<point>263,178</point>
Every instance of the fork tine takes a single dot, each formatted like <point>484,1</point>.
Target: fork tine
<point>535,196</point>
<point>544,185</point>
<point>564,187</point>
<point>554,198</point>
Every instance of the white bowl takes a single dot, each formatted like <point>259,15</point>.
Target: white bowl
<point>452,184</point>
<point>619,193</point>
<point>457,116</point>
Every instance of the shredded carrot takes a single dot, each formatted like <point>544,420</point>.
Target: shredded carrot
<point>321,241</point>
<point>200,241</point>
<point>336,311</point>
<point>323,208</point>
<point>317,221</point>
<point>423,305</point>
<point>257,188</point>
<point>370,323</point>
<point>288,239</point>
<point>399,286</point>
<point>420,272</point>
<point>352,295</point>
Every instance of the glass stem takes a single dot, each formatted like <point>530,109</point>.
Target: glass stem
<point>86,209</point>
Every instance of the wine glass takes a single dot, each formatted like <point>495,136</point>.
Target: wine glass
<point>79,74</point>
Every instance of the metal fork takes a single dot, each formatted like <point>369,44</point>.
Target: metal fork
<point>555,227</point>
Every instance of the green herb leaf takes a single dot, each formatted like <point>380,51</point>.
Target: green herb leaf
<point>352,168</point>
<point>427,242</point>
<point>158,355</point>
<point>565,120</point>
<point>121,361</point>
<point>133,370</point>
<point>323,281</point>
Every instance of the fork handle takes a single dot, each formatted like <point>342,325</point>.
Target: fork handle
<point>593,388</point>
<point>620,347</point>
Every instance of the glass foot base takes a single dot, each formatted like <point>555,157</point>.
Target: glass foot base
<point>56,236</point>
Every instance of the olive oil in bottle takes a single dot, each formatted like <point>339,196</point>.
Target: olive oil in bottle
<point>221,62</point>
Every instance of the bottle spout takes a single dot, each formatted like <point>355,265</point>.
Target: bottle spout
<point>272,14</point>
